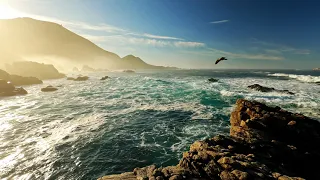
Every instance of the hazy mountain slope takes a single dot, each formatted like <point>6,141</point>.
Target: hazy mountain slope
<point>25,37</point>
<point>29,37</point>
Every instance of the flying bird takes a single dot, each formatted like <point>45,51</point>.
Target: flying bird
<point>220,59</point>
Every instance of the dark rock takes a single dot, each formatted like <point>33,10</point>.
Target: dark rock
<point>260,88</point>
<point>264,143</point>
<point>8,89</point>
<point>19,80</point>
<point>82,78</point>
<point>104,78</point>
<point>49,89</point>
<point>213,80</point>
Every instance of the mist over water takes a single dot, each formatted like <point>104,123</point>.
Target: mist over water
<point>89,129</point>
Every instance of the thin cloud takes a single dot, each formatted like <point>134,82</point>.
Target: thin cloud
<point>160,37</point>
<point>216,52</point>
<point>218,22</point>
<point>188,44</point>
<point>279,48</point>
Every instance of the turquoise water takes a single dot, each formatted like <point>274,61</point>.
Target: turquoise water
<point>89,129</point>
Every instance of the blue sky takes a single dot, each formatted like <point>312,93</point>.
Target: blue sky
<point>192,33</point>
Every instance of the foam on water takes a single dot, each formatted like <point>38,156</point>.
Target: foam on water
<point>303,78</point>
<point>88,129</point>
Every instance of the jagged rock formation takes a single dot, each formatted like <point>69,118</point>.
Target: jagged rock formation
<point>264,143</point>
<point>8,89</point>
<point>19,80</point>
<point>104,78</point>
<point>34,69</point>
<point>213,80</point>
<point>260,88</point>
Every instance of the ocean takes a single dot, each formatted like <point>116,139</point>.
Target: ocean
<point>89,129</point>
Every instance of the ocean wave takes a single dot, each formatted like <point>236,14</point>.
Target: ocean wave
<point>303,78</point>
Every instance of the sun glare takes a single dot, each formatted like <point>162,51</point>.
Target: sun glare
<point>7,12</point>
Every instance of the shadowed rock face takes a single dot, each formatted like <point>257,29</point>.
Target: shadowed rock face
<point>8,89</point>
<point>264,143</point>
<point>258,87</point>
<point>19,80</point>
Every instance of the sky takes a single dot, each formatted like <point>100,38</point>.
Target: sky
<point>263,34</point>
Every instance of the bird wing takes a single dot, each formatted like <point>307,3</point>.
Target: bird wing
<point>217,61</point>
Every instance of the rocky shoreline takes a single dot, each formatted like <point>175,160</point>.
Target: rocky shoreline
<point>264,143</point>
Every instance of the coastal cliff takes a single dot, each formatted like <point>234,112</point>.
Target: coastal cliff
<point>264,143</point>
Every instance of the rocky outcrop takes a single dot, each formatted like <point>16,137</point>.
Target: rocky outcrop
<point>260,88</point>
<point>19,80</point>
<point>8,89</point>
<point>34,69</point>
<point>264,143</point>
<point>82,78</point>
<point>104,78</point>
<point>213,80</point>
<point>49,89</point>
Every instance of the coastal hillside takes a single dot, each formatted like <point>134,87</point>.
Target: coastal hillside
<point>25,37</point>
<point>34,69</point>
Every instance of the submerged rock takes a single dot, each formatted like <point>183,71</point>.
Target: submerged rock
<point>213,80</point>
<point>8,89</point>
<point>104,78</point>
<point>49,89</point>
<point>264,143</point>
<point>260,88</point>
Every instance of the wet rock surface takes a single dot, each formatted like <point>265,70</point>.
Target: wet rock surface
<point>260,88</point>
<point>49,89</point>
<point>264,143</point>
<point>213,80</point>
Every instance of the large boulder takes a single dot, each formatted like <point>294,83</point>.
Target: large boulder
<point>82,78</point>
<point>49,89</point>
<point>213,80</point>
<point>260,88</point>
<point>264,143</point>
<point>104,78</point>
<point>8,89</point>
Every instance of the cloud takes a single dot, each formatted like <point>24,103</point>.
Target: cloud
<point>118,35</point>
<point>279,48</point>
<point>188,44</point>
<point>160,37</point>
<point>127,39</point>
<point>273,51</point>
<point>218,22</point>
<point>217,53</point>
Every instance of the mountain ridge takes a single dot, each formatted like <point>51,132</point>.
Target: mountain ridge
<point>27,37</point>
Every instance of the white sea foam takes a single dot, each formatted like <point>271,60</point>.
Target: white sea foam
<point>303,78</point>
